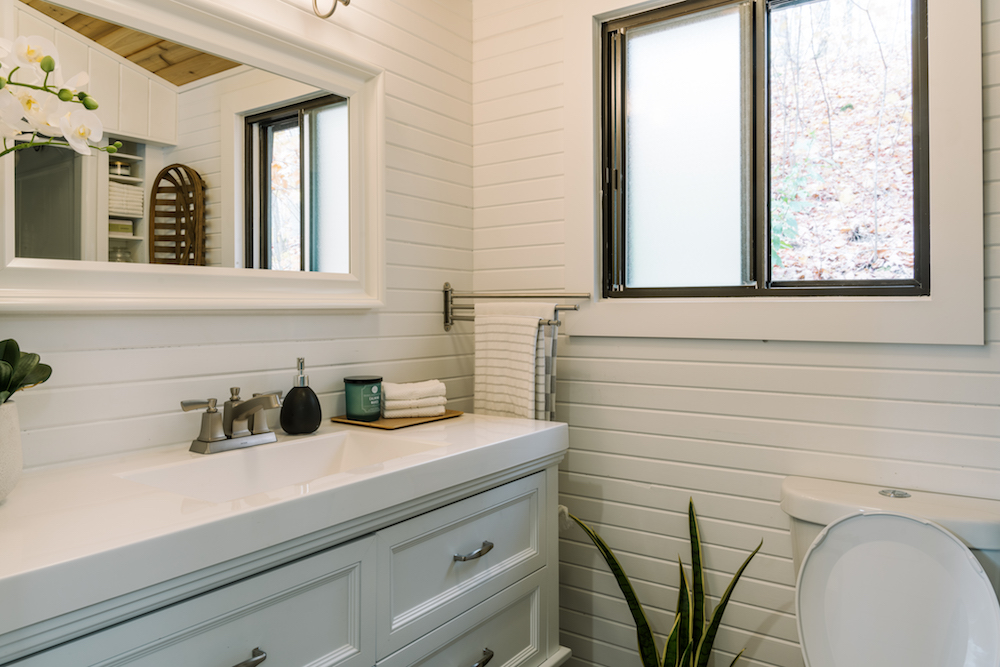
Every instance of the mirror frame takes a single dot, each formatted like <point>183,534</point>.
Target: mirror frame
<point>242,35</point>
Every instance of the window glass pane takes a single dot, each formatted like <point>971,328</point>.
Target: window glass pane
<point>841,149</point>
<point>284,205</point>
<point>687,157</point>
<point>329,180</point>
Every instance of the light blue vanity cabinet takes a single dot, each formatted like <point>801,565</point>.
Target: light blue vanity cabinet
<point>463,574</point>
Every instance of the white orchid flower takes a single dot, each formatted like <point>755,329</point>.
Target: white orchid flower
<point>41,110</point>
<point>74,84</point>
<point>29,51</point>
<point>81,128</point>
<point>11,124</point>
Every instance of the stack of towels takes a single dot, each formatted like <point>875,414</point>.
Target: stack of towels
<point>125,200</point>
<point>413,399</point>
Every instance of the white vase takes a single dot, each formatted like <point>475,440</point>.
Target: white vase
<point>10,448</point>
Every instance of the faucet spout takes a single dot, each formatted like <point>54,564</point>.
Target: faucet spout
<point>242,412</point>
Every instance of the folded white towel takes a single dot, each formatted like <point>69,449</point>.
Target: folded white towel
<point>433,411</point>
<point>408,391</point>
<point>428,402</point>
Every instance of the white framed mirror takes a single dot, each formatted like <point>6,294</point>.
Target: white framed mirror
<point>91,283</point>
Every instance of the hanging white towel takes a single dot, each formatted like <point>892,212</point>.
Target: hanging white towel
<point>512,365</point>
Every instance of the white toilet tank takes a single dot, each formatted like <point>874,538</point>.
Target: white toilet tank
<point>815,503</point>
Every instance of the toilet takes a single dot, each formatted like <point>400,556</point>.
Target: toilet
<point>891,578</point>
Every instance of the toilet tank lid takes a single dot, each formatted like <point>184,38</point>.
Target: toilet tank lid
<point>976,521</point>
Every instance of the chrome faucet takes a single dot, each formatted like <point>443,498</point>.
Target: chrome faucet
<point>221,432</point>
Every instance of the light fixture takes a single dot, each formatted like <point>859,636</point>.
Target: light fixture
<point>332,9</point>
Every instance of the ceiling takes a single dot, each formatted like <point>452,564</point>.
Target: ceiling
<point>172,62</point>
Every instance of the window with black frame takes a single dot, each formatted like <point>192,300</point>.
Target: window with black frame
<point>766,148</point>
<point>297,187</point>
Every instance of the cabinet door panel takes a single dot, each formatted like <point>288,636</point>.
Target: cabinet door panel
<point>420,583</point>
<point>310,613</point>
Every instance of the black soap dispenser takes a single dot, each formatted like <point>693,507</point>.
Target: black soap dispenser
<point>300,411</point>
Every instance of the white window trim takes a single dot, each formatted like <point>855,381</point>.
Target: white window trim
<point>35,285</point>
<point>954,312</point>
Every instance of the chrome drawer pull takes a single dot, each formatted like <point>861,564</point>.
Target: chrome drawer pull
<point>256,658</point>
<point>478,553</point>
<point>487,656</point>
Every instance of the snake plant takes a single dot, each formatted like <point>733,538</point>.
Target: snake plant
<point>19,370</point>
<point>692,636</point>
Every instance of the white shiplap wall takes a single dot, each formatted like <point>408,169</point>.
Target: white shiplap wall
<point>654,422</point>
<point>118,379</point>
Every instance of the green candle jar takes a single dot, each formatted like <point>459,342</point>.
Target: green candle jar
<point>364,397</point>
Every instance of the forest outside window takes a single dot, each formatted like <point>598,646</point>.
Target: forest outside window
<point>766,148</point>
<point>297,187</point>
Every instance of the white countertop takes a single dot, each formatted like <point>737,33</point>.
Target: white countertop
<point>76,535</point>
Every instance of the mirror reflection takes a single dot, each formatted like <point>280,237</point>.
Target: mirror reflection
<point>221,164</point>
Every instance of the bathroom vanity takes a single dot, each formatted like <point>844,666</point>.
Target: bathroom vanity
<point>435,545</point>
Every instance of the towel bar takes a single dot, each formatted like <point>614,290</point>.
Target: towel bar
<point>450,307</point>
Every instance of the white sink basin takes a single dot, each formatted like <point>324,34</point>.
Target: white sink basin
<point>220,478</point>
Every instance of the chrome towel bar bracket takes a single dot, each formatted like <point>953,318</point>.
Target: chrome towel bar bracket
<point>450,306</point>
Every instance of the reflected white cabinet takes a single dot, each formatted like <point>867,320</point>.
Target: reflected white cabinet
<point>474,581</point>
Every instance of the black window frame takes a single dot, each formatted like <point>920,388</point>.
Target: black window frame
<point>613,157</point>
<point>257,231</point>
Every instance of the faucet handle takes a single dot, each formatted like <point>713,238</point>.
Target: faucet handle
<point>234,393</point>
<point>279,393</point>
<point>198,404</point>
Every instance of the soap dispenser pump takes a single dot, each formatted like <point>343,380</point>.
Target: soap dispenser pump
<point>300,411</point>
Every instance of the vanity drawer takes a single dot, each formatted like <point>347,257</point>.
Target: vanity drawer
<point>508,625</point>
<point>422,585</point>
<point>311,612</point>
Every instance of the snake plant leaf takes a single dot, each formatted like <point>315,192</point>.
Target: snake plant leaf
<point>4,395</point>
<point>9,351</point>
<point>683,607</point>
<point>40,374</point>
<point>697,578</point>
<point>670,651</point>
<point>6,371</point>
<point>736,658</point>
<point>705,646</point>
<point>644,635</point>
<point>686,656</point>
<point>24,367</point>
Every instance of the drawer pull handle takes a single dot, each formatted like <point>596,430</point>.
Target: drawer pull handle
<point>256,658</point>
<point>487,656</point>
<point>478,553</point>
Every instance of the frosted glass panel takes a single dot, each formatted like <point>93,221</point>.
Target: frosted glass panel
<point>687,151</point>
<point>330,187</point>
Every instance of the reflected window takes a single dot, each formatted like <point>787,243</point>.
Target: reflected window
<point>298,201</point>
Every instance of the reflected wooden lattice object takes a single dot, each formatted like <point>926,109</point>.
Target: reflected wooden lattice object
<point>177,217</point>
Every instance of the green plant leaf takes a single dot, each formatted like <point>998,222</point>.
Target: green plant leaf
<point>9,351</point>
<point>644,635</point>
<point>736,658</point>
<point>4,395</point>
<point>40,374</point>
<point>670,651</point>
<point>686,656</point>
<point>22,369</point>
<point>705,646</point>
<point>697,578</point>
<point>5,374</point>
<point>683,608</point>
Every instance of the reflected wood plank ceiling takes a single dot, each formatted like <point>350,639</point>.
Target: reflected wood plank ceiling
<point>171,62</point>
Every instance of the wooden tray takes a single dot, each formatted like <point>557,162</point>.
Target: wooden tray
<point>393,424</point>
